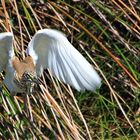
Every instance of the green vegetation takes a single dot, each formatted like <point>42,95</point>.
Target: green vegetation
<point>107,33</point>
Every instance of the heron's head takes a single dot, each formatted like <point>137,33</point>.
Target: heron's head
<point>27,81</point>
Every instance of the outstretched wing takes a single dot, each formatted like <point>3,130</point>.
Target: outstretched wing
<point>50,49</point>
<point>6,50</point>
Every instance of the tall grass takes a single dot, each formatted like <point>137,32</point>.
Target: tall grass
<point>107,33</point>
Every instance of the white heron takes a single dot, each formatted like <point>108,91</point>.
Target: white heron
<point>50,49</point>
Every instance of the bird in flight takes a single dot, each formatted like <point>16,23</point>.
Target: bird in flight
<point>49,49</point>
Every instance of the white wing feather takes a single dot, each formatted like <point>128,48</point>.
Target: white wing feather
<point>50,49</point>
<point>6,50</point>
